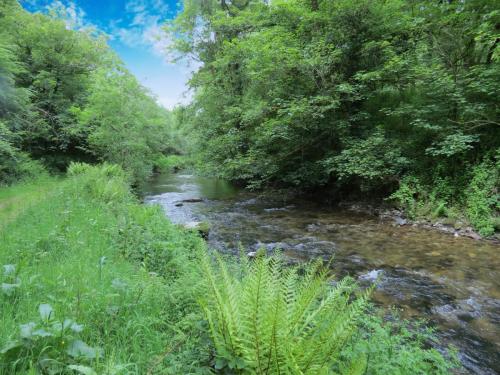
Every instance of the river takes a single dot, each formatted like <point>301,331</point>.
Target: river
<point>453,282</point>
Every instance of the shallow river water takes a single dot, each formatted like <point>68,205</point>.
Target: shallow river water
<point>454,282</point>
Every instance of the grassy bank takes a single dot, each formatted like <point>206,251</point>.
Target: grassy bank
<point>81,249</point>
<point>94,282</point>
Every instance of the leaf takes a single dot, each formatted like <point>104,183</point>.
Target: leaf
<point>26,330</point>
<point>42,333</point>
<point>11,345</point>
<point>77,328</point>
<point>45,311</point>
<point>68,324</point>
<point>9,289</point>
<point>220,363</point>
<point>9,269</point>
<point>82,369</point>
<point>118,284</point>
<point>358,365</point>
<point>79,349</point>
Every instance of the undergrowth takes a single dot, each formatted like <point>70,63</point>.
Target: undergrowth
<point>473,198</point>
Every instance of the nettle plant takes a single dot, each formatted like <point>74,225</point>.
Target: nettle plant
<point>50,346</point>
<point>10,282</point>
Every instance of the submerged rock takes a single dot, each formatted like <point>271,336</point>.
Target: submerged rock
<point>371,276</point>
<point>400,221</point>
<point>192,200</point>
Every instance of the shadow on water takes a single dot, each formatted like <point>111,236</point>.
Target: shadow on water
<point>452,282</point>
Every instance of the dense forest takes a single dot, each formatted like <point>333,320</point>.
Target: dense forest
<point>394,99</point>
<point>391,101</point>
<point>66,96</point>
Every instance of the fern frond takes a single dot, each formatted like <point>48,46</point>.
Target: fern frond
<point>272,319</point>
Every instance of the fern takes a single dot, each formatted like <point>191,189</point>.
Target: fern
<point>271,319</point>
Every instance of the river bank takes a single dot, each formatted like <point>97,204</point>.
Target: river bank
<point>455,227</point>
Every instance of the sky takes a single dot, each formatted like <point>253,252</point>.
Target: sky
<point>134,31</point>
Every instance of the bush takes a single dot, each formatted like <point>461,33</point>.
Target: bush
<point>482,196</point>
<point>266,318</point>
<point>14,164</point>
<point>270,320</point>
<point>104,183</point>
<point>407,195</point>
<point>170,163</point>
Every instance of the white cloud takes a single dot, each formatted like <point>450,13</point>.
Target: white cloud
<point>72,14</point>
<point>137,6</point>
<point>144,27</point>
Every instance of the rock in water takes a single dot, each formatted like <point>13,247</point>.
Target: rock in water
<point>202,227</point>
<point>192,200</point>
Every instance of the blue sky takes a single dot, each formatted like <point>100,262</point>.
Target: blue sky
<point>134,30</point>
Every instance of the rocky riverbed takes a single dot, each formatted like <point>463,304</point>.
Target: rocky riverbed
<point>451,280</point>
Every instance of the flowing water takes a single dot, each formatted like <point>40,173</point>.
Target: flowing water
<point>453,282</point>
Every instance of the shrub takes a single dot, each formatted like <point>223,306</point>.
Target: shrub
<point>170,163</point>
<point>106,183</point>
<point>482,196</point>
<point>14,164</point>
<point>50,345</point>
<point>407,195</point>
<point>268,319</point>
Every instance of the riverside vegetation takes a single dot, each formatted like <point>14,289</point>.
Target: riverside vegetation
<point>340,95</point>
<point>382,99</point>
<point>94,282</point>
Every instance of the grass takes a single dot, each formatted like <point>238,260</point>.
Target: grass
<point>16,199</point>
<point>69,251</point>
<point>95,283</point>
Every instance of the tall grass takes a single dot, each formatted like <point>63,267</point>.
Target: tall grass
<point>70,250</point>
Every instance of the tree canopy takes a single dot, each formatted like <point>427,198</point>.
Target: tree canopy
<point>348,95</point>
<point>66,96</point>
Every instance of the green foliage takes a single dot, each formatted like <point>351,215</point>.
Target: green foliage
<point>85,251</point>
<point>407,195</point>
<point>475,194</point>
<point>267,318</point>
<point>124,123</point>
<point>67,246</point>
<point>171,163</point>
<point>56,66</point>
<point>483,197</point>
<point>392,348</point>
<point>440,210</point>
<point>50,345</point>
<point>65,96</point>
<point>10,96</point>
<point>15,165</point>
<point>373,160</point>
<point>270,320</point>
<point>353,96</point>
